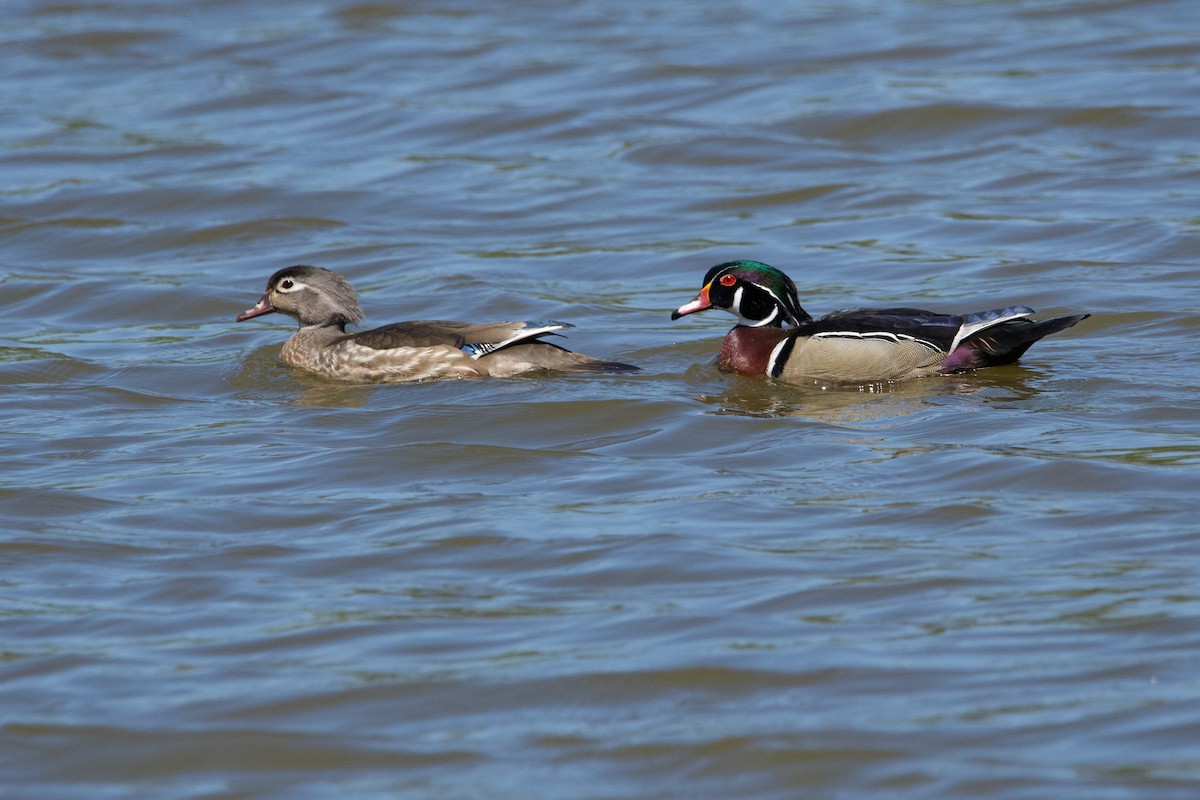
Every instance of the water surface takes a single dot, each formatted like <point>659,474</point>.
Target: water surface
<point>222,578</point>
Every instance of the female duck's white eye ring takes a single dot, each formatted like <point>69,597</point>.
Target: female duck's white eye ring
<point>286,285</point>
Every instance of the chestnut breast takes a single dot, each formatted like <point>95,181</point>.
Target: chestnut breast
<point>746,351</point>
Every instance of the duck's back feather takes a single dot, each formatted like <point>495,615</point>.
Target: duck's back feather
<point>430,333</point>
<point>496,349</point>
<point>937,329</point>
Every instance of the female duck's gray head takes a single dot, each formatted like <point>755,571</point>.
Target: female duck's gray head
<point>314,296</point>
<point>756,293</point>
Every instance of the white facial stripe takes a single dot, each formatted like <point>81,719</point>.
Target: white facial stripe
<point>768,291</point>
<point>736,308</point>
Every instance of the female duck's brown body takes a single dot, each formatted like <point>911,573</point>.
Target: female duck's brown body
<point>864,346</point>
<point>323,302</point>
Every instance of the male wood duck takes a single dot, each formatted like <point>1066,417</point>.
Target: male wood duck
<point>864,346</point>
<point>323,303</point>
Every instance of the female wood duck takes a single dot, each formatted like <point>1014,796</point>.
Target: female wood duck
<point>323,303</point>
<point>864,346</point>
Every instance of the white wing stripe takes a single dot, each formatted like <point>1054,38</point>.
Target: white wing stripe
<point>972,328</point>
<point>887,336</point>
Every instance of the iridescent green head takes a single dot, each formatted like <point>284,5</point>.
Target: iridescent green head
<point>756,293</point>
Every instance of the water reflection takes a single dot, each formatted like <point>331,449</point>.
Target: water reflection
<point>970,586</point>
<point>866,403</point>
<point>326,394</point>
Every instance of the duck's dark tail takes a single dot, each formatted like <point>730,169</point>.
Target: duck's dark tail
<point>1003,343</point>
<point>513,348</point>
<point>531,356</point>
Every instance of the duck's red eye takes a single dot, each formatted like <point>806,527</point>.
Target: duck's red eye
<point>728,280</point>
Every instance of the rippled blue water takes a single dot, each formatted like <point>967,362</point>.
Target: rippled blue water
<point>222,578</point>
